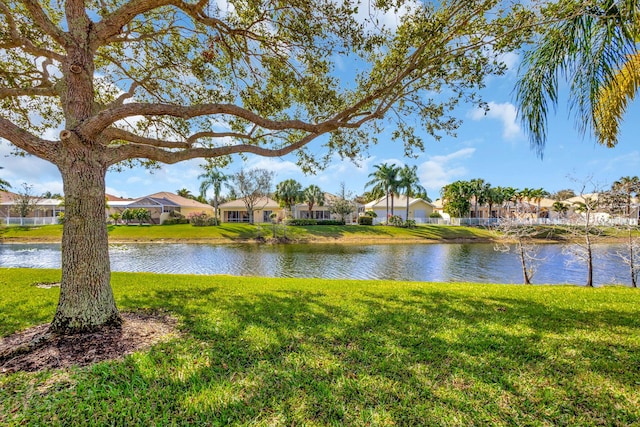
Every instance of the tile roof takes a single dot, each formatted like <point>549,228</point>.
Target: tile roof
<point>262,203</point>
<point>178,200</point>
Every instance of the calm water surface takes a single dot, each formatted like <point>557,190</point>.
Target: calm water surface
<point>428,262</point>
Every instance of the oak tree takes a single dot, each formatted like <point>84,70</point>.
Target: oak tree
<point>142,82</point>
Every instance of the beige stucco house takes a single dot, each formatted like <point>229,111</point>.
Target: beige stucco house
<point>236,210</point>
<point>160,205</point>
<point>419,209</point>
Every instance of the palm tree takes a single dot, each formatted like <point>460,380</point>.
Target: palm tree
<point>494,196</point>
<point>522,195</point>
<point>593,46</point>
<point>537,194</point>
<point>183,192</point>
<point>385,178</point>
<point>509,196</point>
<point>313,195</point>
<point>477,187</point>
<point>212,178</point>
<point>410,183</point>
<point>288,193</point>
<point>627,186</point>
<point>4,185</point>
<point>613,98</point>
<point>375,194</point>
<point>455,198</point>
<point>560,207</point>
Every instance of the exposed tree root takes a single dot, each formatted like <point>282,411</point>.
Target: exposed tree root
<point>37,348</point>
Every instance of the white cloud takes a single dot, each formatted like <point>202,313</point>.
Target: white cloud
<point>42,175</point>
<point>376,18</point>
<point>225,7</point>
<point>439,171</point>
<point>506,113</point>
<point>273,164</point>
<point>351,173</point>
<point>510,59</point>
<point>136,180</point>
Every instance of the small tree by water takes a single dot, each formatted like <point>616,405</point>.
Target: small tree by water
<point>25,202</point>
<point>520,238</point>
<point>586,231</point>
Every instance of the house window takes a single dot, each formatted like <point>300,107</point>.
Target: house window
<point>238,216</point>
<point>266,216</point>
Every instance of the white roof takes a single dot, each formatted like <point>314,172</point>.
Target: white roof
<point>398,200</point>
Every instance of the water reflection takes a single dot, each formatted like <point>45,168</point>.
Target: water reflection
<point>430,262</point>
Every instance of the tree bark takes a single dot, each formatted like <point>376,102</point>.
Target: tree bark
<point>589,283</point>
<point>86,299</point>
<point>523,261</point>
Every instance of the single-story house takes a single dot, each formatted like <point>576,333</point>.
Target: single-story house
<point>419,209</point>
<point>160,205</point>
<point>41,211</point>
<point>320,212</point>
<point>236,210</point>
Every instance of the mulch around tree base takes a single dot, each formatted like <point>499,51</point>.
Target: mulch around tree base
<point>138,331</point>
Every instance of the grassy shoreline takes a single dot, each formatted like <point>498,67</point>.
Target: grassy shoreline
<point>259,351</point>
<point>245,233</point>
<point>234,233</point>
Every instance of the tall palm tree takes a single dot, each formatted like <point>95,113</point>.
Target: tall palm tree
<point>212,178</point>
<point>627,187</point>
<point>410,183</point>
<point>313,195</point>
<point>537,194</point>
<point>478,189</point>
<point>494,196</point>
<point>509,196</point>
<point>288,193</point>
<point>385,178</point>
<point>594,46</point>
<point>524,194</point>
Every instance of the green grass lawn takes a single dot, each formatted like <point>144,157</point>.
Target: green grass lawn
<point>257,351</point>
<point>317,233</point>
<point>240,232</point>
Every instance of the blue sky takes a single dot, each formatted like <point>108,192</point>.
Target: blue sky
<point>490,146</point>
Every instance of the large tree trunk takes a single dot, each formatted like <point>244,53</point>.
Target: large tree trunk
<point>86,299</point>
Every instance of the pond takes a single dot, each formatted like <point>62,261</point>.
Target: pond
<point>427,262</point>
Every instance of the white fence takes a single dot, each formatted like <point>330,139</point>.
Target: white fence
<point>29,221</point>
<point>488,222</point>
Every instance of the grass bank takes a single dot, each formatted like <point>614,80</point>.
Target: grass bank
<point>245,232</point>
<point>258,351</point>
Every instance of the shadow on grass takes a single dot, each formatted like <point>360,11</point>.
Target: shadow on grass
<point>284,357</point>
<point>239,232</point>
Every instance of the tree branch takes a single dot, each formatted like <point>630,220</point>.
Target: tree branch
<point>17,40</point>
<point>112,24</point>
<point>114,134</point>
<point>41,19</point>
<point>28,142</point>
<point>132,151</point>
<point>29,91</point>
<point>208,134</point>
<point>93,126</point>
